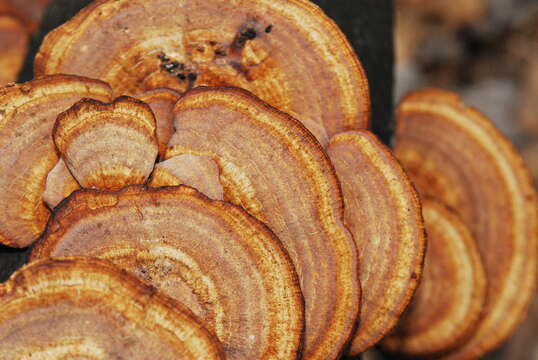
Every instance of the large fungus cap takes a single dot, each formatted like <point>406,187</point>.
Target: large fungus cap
<point>161,102</point>
<point>14,38</point>
<point>220,262</point>
<point>383,213</point>
<point>287,52</point>
<point>108,146</point>
<point>452,292</point>
<point>453,153</point>
<point>27,115</point>
<point>83,308</point>
<point>273,167</point>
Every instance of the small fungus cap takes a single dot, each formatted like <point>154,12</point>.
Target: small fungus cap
<point>75,307</point>
<point>27,115</point>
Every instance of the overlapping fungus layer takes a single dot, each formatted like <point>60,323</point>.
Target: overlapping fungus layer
<point>275,169</point>
<point>87,308</point>
<point>382,212</point>
<point>27,115</point>
<point>220,262</point>
<point>454,154</point>
<point>450,299</point>
<point>14,38</point>
<point>286,52</point>
<point>108,146</point>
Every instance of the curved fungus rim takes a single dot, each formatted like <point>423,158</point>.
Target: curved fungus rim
<point>85,282</point>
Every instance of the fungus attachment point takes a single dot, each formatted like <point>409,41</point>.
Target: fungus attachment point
<point>275,169</point>
<point>383,213</point>
<point>199,172</point>
<point>162,103</point>
<point>453,153</point>
<point>220,262</point>
<point>108,146</point>
<point>449,301</point>
<point>27,115</point>
<point>185,44</point>
<point>84,308</point>
<point>59,185</point>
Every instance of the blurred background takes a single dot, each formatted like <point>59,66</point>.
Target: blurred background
<point>486,50</point>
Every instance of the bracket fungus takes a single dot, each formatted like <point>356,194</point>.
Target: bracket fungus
<point>220,262</point>
<point>275,169</point>
<point>450,299</point>
<point>14,38</point>
<point>45,303</point>
<point>108,146</point>
<point>289,53</point>
<point>199,172</point>
<point>383,213</point>
<point>161,102</point>
<point>27,115</point>
<point>454,154</point>
<point>59,185</point>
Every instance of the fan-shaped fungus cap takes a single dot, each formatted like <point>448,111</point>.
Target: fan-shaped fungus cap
<point>273,167</point>
<point>13,43</point>
<point>220,262</point>
<point>59,185</point>
<point>27,115</point>
<point>162,103</point>
<point>199,172</point>
<point>450,299</point>
<point>287,52</point>
<point>88,308</point>
<point>108,146</point>
<point>455,154</point>
<point>383,213</point>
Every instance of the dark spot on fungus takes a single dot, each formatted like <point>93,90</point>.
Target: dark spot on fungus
<point>269,29</point>
<point>182,76</point>
<point>414,276</point>
<point>193,77</point>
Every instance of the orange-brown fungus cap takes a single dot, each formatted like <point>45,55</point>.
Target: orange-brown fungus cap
<point>382,211</point>
<point>30,10</point>
<point>199,172</point>
<point>450,299</point>
<point>13,43</point>
<point>273,167</point>
<point>27,115</point>
<point>84,308</point>
<point>287,52</point>
<point>108,146</point>
<point>60,184</point>
<point>455,154</point>
<point>162,103</point>
<point>220,262</point>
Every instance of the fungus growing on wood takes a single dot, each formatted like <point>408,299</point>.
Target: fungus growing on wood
<point>453,153</point>
<point>108,146</point>
<point>199,172</point>
<point>220,262</point>
<point>88,308</point>
<point>59,185</point>
<point>289,53</point>
<point>13,43</point>
<point>449,301</point>
<point>27,115</point>
<point>382,211</point>
<point>162,103</point>
<point>275,169</point>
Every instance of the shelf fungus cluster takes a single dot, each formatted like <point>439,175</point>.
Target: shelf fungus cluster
<point>203,200</point>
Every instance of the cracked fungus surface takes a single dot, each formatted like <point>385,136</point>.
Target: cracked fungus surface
<point>87,308</point>
<point>286,52</point>
<point>276,170</point>
<point>27,115</point>
<point>454,154</point>
<point>221,263</point>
